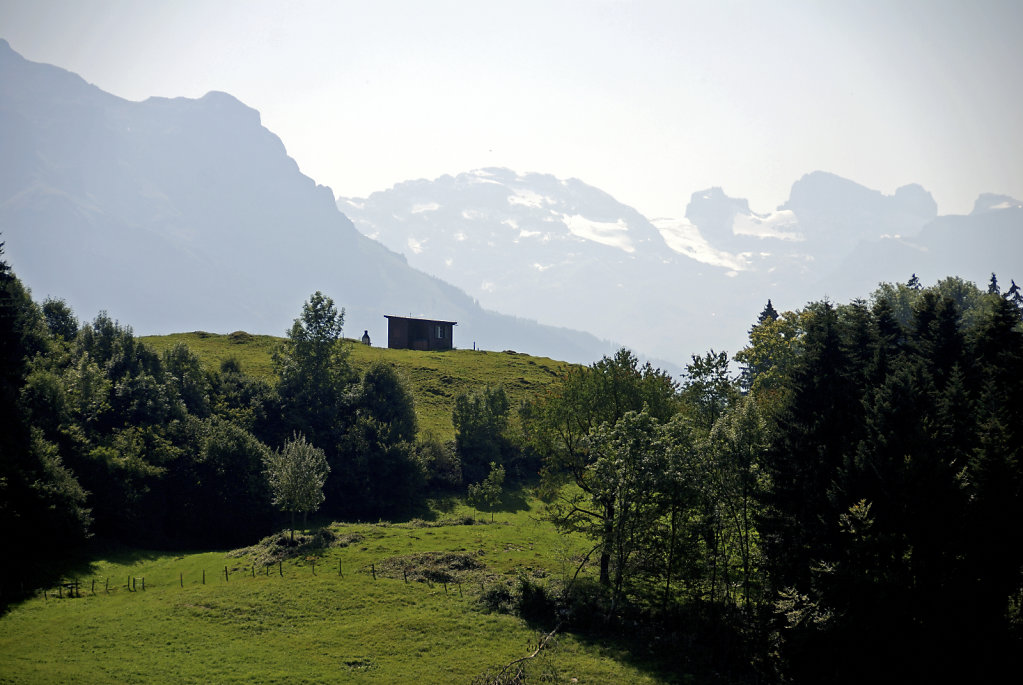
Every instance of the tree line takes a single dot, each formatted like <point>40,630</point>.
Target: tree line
<point>845,507</point>
<point>104,438</point>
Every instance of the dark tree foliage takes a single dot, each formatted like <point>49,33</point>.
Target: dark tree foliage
<point>894,471</point>
<point>375,472</point>
<point>43,511</point>
<point>440,464</point>
<point>1014,296</point>
<point>219,494</point>
<point>815,429</point>
<point>60,320</point>
<point>480,419</point>
<point>315,373</point>
<point>187,376</point>
<point>769,313</point>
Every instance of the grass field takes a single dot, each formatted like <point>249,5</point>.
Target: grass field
<point>310,624</point>
<point>435,378</point>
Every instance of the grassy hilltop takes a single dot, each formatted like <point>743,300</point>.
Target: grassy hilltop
<point>435,378</point>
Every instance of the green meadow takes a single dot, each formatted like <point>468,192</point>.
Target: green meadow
<point>435,378</point>
<point>366,602</point>
<point>368,608</point>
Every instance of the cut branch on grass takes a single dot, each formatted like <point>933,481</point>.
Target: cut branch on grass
<point>499,678</point>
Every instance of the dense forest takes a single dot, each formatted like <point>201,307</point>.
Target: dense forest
<point>847,508</point>
<point>839,501</point>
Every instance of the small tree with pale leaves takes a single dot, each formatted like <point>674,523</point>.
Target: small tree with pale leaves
<point>296,475</point>
<point>487,493</point>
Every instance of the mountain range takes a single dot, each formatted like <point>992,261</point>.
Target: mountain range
<point>565,252</point>
<point>183,214</point>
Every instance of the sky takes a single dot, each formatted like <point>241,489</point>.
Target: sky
<point>648,101</point>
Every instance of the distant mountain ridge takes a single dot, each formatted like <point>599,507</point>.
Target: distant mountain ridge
<point>533,245</point>
<point>181,214</point>
<point>568,252</point>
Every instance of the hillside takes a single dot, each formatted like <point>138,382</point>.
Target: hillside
<point>435,378</point>
<point>303,622</point>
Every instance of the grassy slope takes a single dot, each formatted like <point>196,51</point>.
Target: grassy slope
<point>435,378</point>
<point>304,627</point>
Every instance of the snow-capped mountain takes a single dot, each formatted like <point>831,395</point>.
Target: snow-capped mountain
<point>570,254</point>
<point>558,250</point>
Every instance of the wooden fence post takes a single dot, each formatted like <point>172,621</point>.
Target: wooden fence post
<point>280,567</point>
<point>226,577</point>
<point>204,576</point>
<point>181,578</point>
<point>373,568</point>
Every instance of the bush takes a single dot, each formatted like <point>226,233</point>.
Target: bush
<point>498,598</point>
<point>534,602</point>
<point>440,463</point>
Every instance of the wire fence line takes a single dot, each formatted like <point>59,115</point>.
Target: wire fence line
<point>75,587</point>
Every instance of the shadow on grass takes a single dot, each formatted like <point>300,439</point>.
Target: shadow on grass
<point>692,642</point>
<point>513,501</point>
<point>46,575</point>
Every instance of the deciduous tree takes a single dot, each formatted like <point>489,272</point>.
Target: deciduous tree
<point>296,475</point>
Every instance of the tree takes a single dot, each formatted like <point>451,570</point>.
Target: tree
<point>487,493</point>
<point>1014,296</point>
<point>315,373</point>
<point>43,509</point>
<point>185,372</point>
<point>708,386</point>
<point>296,475</point>
<point>480,419</point>
<point>628,468</point>
<point>558,426</point>
<point>374,471</point>
<point>384,395</point>
<point>819,419</point>
<point>60,320</point>
<point>735,479</point>
<point>220,474</point>
<point>769,313</point>
<point>992,286</point>
<point>772,351</point>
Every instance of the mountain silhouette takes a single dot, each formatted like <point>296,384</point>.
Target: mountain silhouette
<point>187,214</point>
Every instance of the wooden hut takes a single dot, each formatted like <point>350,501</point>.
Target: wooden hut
<point>406,333</point>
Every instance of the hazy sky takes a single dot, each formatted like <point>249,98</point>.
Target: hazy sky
<point>649,101</point>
